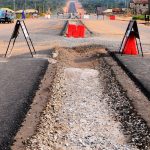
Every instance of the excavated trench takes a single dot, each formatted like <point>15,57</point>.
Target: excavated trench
<point>87,107</point>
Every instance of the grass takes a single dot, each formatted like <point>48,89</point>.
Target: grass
<point>139,17</point>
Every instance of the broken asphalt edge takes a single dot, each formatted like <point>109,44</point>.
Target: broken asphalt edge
<point>144,90</point>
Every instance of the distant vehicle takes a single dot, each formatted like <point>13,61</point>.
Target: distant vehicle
<point>117,10</point>
<point>60,13</point>
<point>10,17</point>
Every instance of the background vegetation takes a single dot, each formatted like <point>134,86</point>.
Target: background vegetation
<point>41,5</point>
<point>139,17</point>
<point>90,5</point>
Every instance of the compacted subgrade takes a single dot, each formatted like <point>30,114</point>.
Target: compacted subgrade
<point>80,112</point>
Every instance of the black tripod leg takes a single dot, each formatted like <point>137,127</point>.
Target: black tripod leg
<point>29,39</point>
<point>137,46</point>
<point>123,44</point>
<point>13,45</point>
<point>7,48</point>
<point>32,45</point>
<point>141,47</point>
<point>29,46</point>
<point>125,36</point>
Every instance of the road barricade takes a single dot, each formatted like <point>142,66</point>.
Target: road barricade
<point>76,31</point>
<point>81,31</point>
<point>71,30</point>
<point>112,17</point>
<point>129,44</point>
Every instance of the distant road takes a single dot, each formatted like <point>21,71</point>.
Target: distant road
<point>72,8</point>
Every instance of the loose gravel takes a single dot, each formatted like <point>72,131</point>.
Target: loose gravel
<point>88,109</point>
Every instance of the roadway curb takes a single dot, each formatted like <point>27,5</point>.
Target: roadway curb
<point>137,82</point>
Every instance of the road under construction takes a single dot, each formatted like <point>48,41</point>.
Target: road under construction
<point>74,93</point>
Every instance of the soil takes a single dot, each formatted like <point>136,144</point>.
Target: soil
<point>82,57</point>
<point>81,100</point>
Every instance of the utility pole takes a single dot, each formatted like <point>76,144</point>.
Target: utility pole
<point>14,5</point>
<point>125,3</point>
<point>35,5</point>
<point>107,4</point>
<point>149,7</point>
<point>25,4</point>
<point>43,7</point>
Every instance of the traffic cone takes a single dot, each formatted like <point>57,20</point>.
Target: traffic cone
<point>112,17</point>
<point>130,47</point>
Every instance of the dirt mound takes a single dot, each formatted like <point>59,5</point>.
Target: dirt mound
<point>81,57</point>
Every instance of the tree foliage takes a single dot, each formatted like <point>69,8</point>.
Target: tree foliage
<point>41,5</point>
<point>90,5</point>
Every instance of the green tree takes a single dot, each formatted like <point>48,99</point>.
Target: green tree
<point>42,5</point>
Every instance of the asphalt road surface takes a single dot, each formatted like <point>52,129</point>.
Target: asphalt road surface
<point>19,79</point>
<point>111,34</point>
<point>72,8</point>
<point>20,74</point>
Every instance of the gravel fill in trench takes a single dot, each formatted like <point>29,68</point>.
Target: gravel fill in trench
<point>86,108</point>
